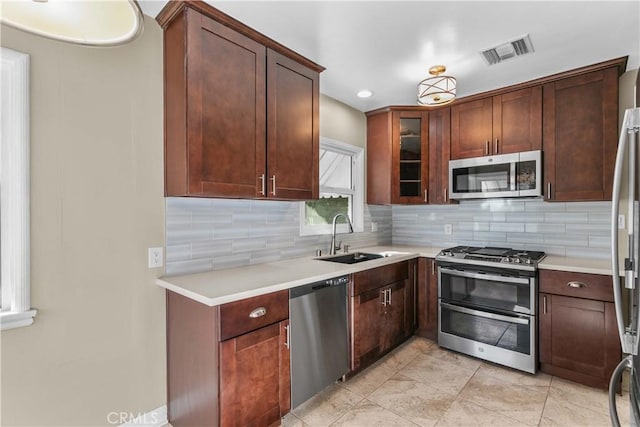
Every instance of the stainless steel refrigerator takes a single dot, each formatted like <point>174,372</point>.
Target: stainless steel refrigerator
<point>626,187</point>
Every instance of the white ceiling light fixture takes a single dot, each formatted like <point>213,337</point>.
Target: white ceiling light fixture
<point>91,23</point>
<point>437,90</point>
<point>365,93</point>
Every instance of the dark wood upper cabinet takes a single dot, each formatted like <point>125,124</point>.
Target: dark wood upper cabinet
<point>293,128</point>
<point>501,124</point>
<point>580,136</point>
<point>517,121</point>
<point>241,111</point>
<point>397,157</point>
<point>471,129</point>
<point>408,156</point>
<point>379,159</point>
<point>439,155</point>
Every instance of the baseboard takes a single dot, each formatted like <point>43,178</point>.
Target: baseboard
<point>155,418</point>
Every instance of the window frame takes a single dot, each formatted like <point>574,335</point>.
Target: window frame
<point>15,302</point>
<point>357,191</point>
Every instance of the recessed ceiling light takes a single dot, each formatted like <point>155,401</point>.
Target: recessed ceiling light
<point>365,93</point>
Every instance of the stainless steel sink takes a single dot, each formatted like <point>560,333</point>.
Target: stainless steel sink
<point>352,258</point>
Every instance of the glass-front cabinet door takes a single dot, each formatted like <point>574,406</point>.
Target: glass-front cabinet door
<point>410,157</point>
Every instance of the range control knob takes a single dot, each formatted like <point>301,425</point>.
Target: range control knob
<point>527,261</point>
<point>506,259</point>
<point>517,260</point>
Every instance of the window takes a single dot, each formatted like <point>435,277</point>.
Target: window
<point>341,190</point>
<point>15,309</point>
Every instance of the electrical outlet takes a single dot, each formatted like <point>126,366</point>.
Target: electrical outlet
<point>156,258</point>
<point>374,227</point>
<point>622,224</point>
<point>448,229</point>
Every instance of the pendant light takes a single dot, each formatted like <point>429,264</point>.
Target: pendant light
<point>437,90</point>
<point>85,22</point>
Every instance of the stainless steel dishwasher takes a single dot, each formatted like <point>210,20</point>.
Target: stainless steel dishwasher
<point>318,336</point>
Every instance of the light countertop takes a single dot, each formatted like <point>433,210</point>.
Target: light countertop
<point>233,284</point>
<point>576,265</point>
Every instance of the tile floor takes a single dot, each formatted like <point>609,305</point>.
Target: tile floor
<point>420,384</point>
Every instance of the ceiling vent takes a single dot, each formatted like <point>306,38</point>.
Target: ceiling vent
<point>518,47</point>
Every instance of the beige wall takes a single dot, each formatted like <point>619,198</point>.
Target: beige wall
<point>341,122</point>
<point>98,342</point>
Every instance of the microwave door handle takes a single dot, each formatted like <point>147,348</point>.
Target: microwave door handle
<point>482,276</point>
<point>486,315</point>
<point>514,185</point>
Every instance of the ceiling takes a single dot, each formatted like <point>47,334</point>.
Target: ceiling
<point>388,46</point>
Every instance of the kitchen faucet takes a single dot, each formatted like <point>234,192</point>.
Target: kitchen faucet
<point>333,247</point>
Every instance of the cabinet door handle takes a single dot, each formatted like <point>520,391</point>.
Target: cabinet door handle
<point>383,294</point>
<point>263,183</point>
<point>445,194</point>
<point>544,304</point>
<point>576,284</point>
<point>486,147</point>
<point>273,180</point>
<point>287,343</point>
<point>425,196</point>
<point>389,301</point>
<point>549,190</point>
<point>495,146</point>
<point>258,312</point>
<point>433,267</point>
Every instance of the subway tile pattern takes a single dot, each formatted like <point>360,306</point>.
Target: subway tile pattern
<point>212,234</point>
<point>580,229</point>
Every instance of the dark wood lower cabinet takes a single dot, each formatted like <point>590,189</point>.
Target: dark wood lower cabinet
<point>254,369</point>
<point>244,380</point>
<point>367,328</point>
<point>382,317</point>
<point>427,299</point>
<point>578,339</point>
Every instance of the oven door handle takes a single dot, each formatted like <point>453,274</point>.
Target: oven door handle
<point>518,320</point>
<point>484,276</point>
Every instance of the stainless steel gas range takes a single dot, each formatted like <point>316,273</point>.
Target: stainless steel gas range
<point>487,304</point>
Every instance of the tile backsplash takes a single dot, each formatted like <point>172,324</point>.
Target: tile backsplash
<point>212,234</point>
<point>580,229</point>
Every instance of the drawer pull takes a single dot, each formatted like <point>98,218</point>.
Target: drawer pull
<point>258,312</point>
<point>574,284</point>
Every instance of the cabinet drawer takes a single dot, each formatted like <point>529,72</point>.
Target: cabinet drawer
<point>239,317</point>
<point>580,285</point>
<point>380,276</point>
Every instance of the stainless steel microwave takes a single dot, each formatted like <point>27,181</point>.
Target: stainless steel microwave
<point>504,175</point>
